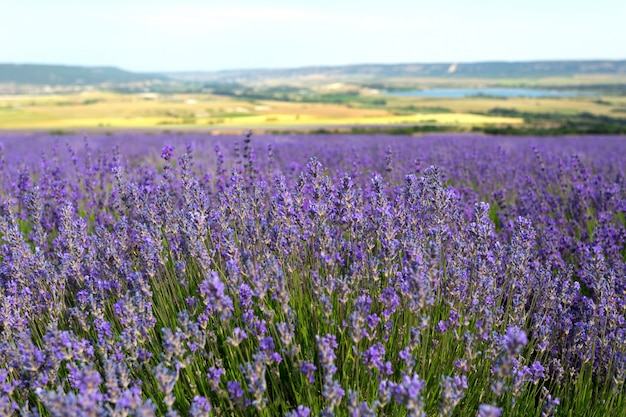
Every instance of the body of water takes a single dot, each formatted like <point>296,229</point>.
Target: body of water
<point>493,92</point>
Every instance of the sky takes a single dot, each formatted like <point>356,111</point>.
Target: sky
<point>194,35</point>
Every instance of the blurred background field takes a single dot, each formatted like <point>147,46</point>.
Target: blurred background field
<point>547,98</point>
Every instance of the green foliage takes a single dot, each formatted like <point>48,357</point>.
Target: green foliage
<point>60,132</point>
<point>551,124</point>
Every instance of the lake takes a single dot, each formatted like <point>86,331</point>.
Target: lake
<point>493,92</point>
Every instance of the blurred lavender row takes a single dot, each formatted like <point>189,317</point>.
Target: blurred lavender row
<point>312,275</point>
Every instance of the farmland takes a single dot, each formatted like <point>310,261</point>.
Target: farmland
<point>334,103</point>
<point>102,110</point>
<point>108,110</point>
<point>290,275</point>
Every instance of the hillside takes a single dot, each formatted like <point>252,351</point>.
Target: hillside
<point>62,75</point>
<point>478,70</point>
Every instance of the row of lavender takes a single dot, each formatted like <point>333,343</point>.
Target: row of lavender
<point>193,275</point>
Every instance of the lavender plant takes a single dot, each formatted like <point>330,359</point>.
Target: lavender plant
<point>187,275</point>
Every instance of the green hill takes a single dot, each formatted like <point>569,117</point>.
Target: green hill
<point>35,74</point>
<point>62,75</point>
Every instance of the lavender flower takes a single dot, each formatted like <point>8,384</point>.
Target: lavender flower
<point>332,390</point>
<point>167,152</point>
<point>486,410</point>
<point>409,393</point>
<point>254,373</point>
<point>200,407</point>
<point>238,336</point>
<point>216,300</point>
<point>236,393</point>
<point>356,408</point>
<point>374,358</point>
<point>308,370</point>
<point>549,404</point>
<point>452,392</point>
<point>300,411</point>
<point>214,376</point>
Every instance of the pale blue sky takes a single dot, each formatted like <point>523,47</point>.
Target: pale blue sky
<point>154,35</point>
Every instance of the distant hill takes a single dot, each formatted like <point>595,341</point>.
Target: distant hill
<point>63,75</point>
<point>479,70</point>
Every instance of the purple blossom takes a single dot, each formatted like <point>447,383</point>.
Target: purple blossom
<point>254,373</point>
<point>331,390</point>
<point>485,410</point>
<point>409,393</point>
<point>358,409</point>
<point>235,392</point>
<point>200,407</point>
<point>300,411</point>
<point>326,346</point>
<point>452,392</point>
<point>214,294</point>
<point>308,370</point>
<point>391,300</point>
<point>372,321</point>
<point>537,372</point>
<point>549,405</point>
<point>214,376</point>
<point>407,357</point>
<point>238,336</point>
<point>374,358</point>
<point>167,152</point>
<point>514,339</point>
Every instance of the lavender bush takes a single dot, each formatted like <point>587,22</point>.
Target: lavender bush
<point>188,275</point>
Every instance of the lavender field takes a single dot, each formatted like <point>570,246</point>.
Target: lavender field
<point>191,275</point>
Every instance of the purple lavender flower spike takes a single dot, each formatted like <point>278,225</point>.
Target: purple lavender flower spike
<point>167,152</point>
<point>486,410</point>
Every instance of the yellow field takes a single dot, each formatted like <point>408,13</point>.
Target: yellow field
<point>271,120</point>
<point>97,109</point>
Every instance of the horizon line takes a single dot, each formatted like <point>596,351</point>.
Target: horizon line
<point>312,66</point>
